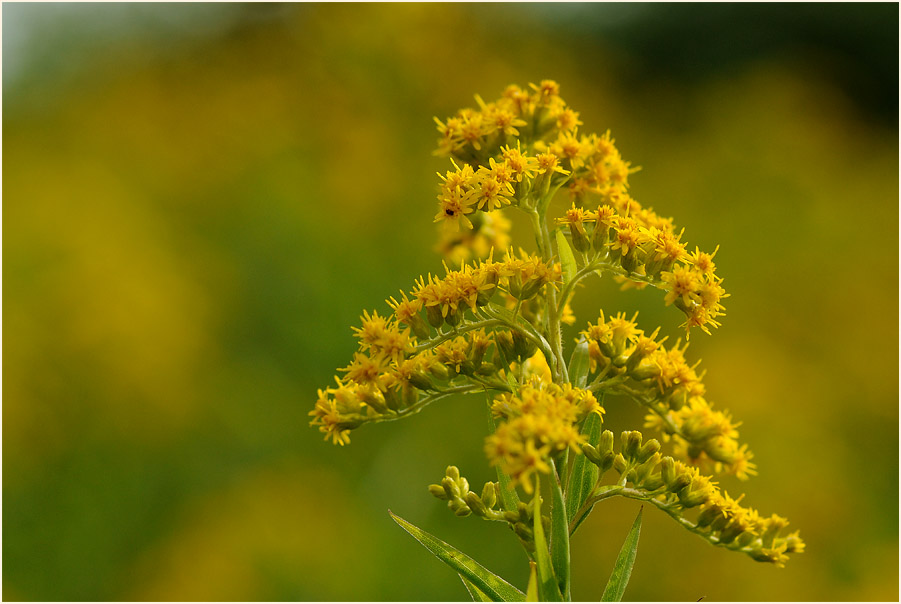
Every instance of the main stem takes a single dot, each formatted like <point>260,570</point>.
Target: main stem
<point>543,237</point>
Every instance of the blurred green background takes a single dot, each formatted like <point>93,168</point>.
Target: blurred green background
<point>200,200</point>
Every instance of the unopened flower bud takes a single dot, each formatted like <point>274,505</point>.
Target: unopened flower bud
<point>607,461</point>
<point>511,517</point>
<point>606,443</point>
<point>668,470</point>
<point>462,511</point>
<point>463,484</point>
<point>452,472</point>
<point>652,482</point>
<point>679,482</point>
<point>450,488</point>
<point>475,504</point>
<point>631,441</point>
<point>648,449</point>
<point>523,531</point>
<point>438,491</point>
<point>644,470</point>
<point>489,494</point>
<point>691,498</point>
<point>592,454</point>
<point>619,463</point>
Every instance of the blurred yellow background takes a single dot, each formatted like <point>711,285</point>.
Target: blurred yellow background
<point>200,200</point>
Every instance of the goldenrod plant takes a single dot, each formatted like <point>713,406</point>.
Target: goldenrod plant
<point>491,326</point>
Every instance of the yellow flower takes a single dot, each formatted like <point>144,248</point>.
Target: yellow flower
<point>548,163</point>
<point>521,165</point>
<point>490,193</point>
<point>703,261</point>
<point>681,284</point>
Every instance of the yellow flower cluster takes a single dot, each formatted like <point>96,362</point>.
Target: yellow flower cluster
<point>676,488</point>
<point>644,246</point>
<point>384,377</point>
<point>724,518</point>
<point>474,134</point>
<point>515,147</point>
<point>495,326</point>
<point>619,349</point>
<point>446,299</point>
<point>391,369</point>
<point>538,422</point>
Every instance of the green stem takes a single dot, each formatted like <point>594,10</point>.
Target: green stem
<point>419,406</point>
<point>583,272</point>
<point>455,332</point>
<point>539,224</point>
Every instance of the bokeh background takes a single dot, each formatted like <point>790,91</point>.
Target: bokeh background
<point>199,200</point>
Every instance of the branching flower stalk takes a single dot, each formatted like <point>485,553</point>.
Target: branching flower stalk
<point>493,324</point>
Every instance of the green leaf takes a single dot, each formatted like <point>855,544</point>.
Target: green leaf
<point>490,584</point>
<point>584,473</point>
<point>567,260</point>
<point>509,498</point>
<point>579,364</point>
<point>475,593</point>
<point>547,583</point>
<point>622,569</point>
<point>532,589</point>
<point>559,536</point>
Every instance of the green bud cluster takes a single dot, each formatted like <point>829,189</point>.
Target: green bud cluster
<point>454,489</point>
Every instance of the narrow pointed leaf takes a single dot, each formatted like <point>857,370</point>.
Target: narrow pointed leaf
<point>559,536</point>
<point>475,593</point>
<point>547,582</point>
<point>622,569</point>
<point>509,498</point>
<point>579,364</point>
<point>584,473</point>
<point>490,584</point>
<point>567,260</point>
<point>532,589</point>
